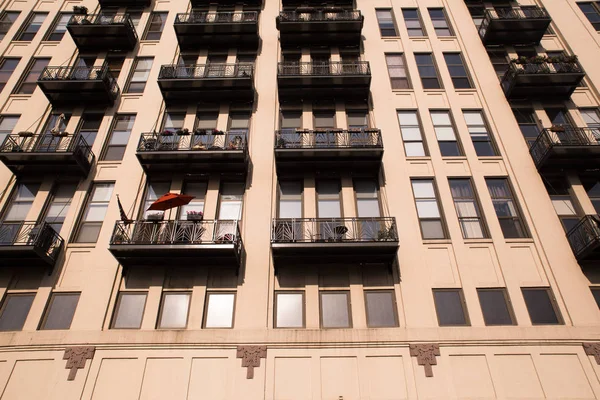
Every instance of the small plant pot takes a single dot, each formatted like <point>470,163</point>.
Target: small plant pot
<point>183,132</point>
<point>25,134</point>
<point>154,217</point>
<point>195,217</point>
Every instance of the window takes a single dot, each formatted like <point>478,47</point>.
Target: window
<point>450,307</point>
<point>397,71</point>
<point>381,308</point>
<point>7,67</point>
<point>596,293</point>
<point>7,20</point>
<point>541,306</point>
<point>477,11</point>
<point>15,309</point>
<point>558,190</point>
<point>118,138</point>
<point>427,71</point>
<point>31,27</point>
<point>115,65</point>
<point>198,190</point>
<point>324,119</point>
<point>385,19</point>
<point>21,202</point>
<point>559,116</point>
<point>444,131</point>
<point>239,122</point>
<point>328,204</point>
<point>59,205</point>
<point>136,15</point>
<point>467,209</point>
<point>60,312</point>
<point>440,22</point>
<point>156,25</point>
<point>591,186</point>
<point>174,310</point>
<point>289,310</point>
<point>290,199</point>
<point>230,200</point>
<point>592,120</point>
<point>590,10</point>
<point>207,120</point>
<point>410,130</point>
<point>479,134</point>
<point>219,309</point>
<point>357,119</point>
<point>527,123</point>
<point>95,211</point>
<point>428,210</point>
<point>413,22</point>
<point>499,60</point>
<point>290,121</point>
<point>7,125</point>
<point>59,28</point>
<point>129,310</point>
<point>56,121</point>
<point>173,121</point>
<point>139,76</point>
<point>457,70</point>
<point>506,209</point>
<point>495,307</point>
<point>153,191</point>
<point>335,309</point>
<point>89,126</point>
<point>29,79</point>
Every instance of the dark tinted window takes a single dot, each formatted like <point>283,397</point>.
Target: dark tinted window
<point>495,307</point>
<point>541,307</point>
<point>61,310</point>
<point>14,311</point>
<point>449,307</point>
<point>381,308</point>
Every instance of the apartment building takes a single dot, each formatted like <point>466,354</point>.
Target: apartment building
<point>391,199</point>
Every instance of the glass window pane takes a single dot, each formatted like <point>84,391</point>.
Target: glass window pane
<point>540,306</point>
<point>380,309</point>
<point>494,307</point>
<point>428,209</point>
<point>219,310</point>
<point>414,149</point>
<point>290,310</point>
<point>449,307</point>
<point>423,189</point>
<point>15,310</point>
<point>130,310</point>
<point>61,311</point>
<point>432,229</point>
<point>174,313</point>
<point>335,310</point>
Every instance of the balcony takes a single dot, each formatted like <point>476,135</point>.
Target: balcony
<point>327,149</point>
<point>231,3</point>
<point>217,30</point>
<point>315,3</point>
<point>29,244</point>
<point>584,239</point>
<point>330,240</point>
<point>543,80</point>
<point>203,242</point>
<point>28,154</point>
<point>102,32</point>
<point>334,27</point>
<point>123,3</point>
<point>317,80</point>
<point>206,82</point>
<point>89,86</point>
<point>515,26</point>
<point>197,151</point>
<point>566,148</point>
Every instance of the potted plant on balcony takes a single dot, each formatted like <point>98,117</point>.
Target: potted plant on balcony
<point>167,132</point>
<point>25,134</point>
<point>195,215</point>
<point>154,217</point>
<point>281,142</point>
<point>386,234</point>
<point>183,132</point>
<point>225,238</point>
<point>199,131</point>
<point>557,128</point>
<point>58,133</point>
<point>80,10</point>
<point>236,143</point>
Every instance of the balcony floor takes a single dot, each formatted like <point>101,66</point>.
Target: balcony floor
<point>74,92</point>
<point>306,159</point>
<point>349,86</point>
<point>24,256</point>
<point>29,163</point>
<point>560,157</point>
<point>185,90</point>
<point>179,254</point>
<point>515,31</point>
<point>320,33</point>
<point>544,85</point>
<point>94,37</point>
<point>194,160</point>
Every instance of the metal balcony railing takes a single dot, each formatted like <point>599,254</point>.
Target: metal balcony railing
<point>206,71</point>
<point>40,235</point>
<point>197,141</point>
<point>203,17</point>
<point>319,230</point>
<point>327,138</point>
<point>517,14</point>
<point>543,68</point>
<point>103,19</point>
<point>563,136</point>
<point>82,74</point>
<point>585,235</point>
<point>320,16</point>
<point>48,143</point>
<point>339,68</point>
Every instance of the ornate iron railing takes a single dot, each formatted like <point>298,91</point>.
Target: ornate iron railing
<point>233,140</point>
<point>103,19</point>
<point>327,139</point>
<point>585,235</point>
<point>543,68</point>
<point>177,233</point>
<point>82,74</point>
<point>511,14</point>
<point>48,143</point>
<point>320,16</point>
<point>206,71</point>
<point>40,235</point>
<point>203,17</point>
<point>339,68</point>
<point>316,230</point>
<point>563,136</point>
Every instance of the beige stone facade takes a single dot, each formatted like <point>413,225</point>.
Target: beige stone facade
<point>323,247</point>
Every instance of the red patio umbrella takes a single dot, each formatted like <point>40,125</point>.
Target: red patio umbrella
<point>170,200</point>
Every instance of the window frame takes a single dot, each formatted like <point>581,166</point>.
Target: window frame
<point>132,72</point>
<point>5,303</point>
<point>2,63</point>
<point>445,19</point>
<point>207,303</point>
<point>462,302</point>
<point>275,303</point>
<point>418,18</point>
<point>517,205</point>
<point>381,30</point>
<point>48,307</point>
<point>439,207</point>
<point>27,24</point>
<point>475,199</point>
<point>26,72</point>
<point>348,305</point>
<point>120,295</point>
<point>463,65</point>
<point>394,307</point>
<point>54,26</point>
<point>419,125</point>
<point>459,147</point>
<point>559,318</point>
<point>4,19</point>
<point>88,199</point>
<point>403,66</point>
<point>595,7</point>
<point>486,125</point>
<point>161,308</point>
<point>151,21</point>
<point>427,77</point>
<point>111,131</point>
<point>507,302</point>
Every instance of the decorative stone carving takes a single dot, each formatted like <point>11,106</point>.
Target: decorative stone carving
<point>593,349</point>
<point>76,357</point>
<point>251,356</point>
<point>425,354</point>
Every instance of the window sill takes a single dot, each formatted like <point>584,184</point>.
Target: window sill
<point>434,90</point>
<point>447,37</point>
<point>21,42</point>
<point>390,37</point>
<point>477,241</point>
<point>55,42</point>
<point>149,41</point>
<point>437,241</point>
<point>454,158</point>
<point>403,90</point>
<point>20,96</point>
<point>104,162</point>
<point>131,95</point>
<point>418,37</point>
<point>490,158</point>
<point>469,90</point>
<point>523,240</point>
<point>81,245</point>
<point>418,158</point>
